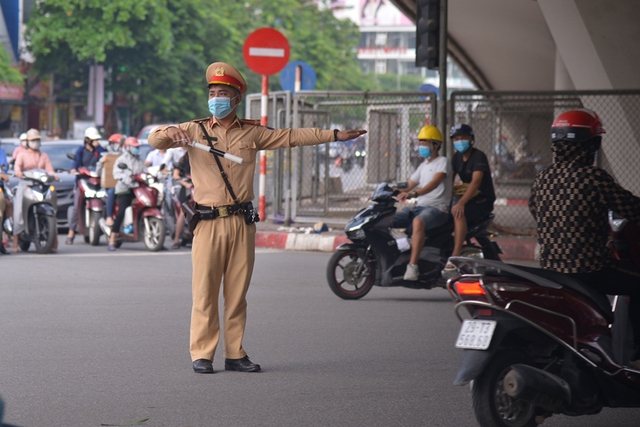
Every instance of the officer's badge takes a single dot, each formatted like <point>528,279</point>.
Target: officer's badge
<point>219,72</point>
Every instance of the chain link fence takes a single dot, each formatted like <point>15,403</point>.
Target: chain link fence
<point>513,129</point>
<point>335,180</point>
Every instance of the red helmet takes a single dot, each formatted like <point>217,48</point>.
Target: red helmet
<point>131,141</point>
<point>576,125</point>
<point>116,138</point>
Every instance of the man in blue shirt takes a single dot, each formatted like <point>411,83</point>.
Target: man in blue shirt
<point>86,156</point>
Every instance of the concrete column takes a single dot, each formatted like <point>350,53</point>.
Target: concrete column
<point>562,78</point>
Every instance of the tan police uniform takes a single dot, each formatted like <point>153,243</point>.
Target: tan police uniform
<point>224,248</point>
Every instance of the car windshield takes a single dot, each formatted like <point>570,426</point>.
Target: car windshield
<point>8,147</point>
<point>58,154</point>
<point>145,133</point>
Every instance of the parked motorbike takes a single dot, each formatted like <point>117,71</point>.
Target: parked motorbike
<point>538,343</point>
<point>39,204</point>
<point>378,255</point>
<point>143,220</point>
<point>91,205</point>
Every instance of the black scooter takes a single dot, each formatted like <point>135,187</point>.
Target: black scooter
<point>379,255</point>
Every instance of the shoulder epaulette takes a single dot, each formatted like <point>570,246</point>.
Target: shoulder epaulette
<point>250,122</point>
<point>201,120</point>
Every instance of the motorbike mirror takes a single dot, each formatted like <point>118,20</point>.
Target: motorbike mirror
<point>71,156</point>
<point>122,166</point>
<point>162,166</point>
<point>402,185</point>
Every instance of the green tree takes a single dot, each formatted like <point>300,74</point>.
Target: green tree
<point>157,51</point>
<point>8,74</point>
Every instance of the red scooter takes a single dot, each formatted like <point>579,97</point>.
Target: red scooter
<point>90,207</point>
<point>144,215</point>
<point>538,343</point>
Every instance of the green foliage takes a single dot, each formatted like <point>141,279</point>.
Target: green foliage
<point>157,51</point>
<point>389,82</point>
<point>8,75</point>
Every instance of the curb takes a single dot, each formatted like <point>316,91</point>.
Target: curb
<point>512,248</point>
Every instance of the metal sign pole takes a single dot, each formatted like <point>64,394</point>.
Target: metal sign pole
<point>442,71</point>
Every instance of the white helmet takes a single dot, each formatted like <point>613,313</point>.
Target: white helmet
<point>92,133</point>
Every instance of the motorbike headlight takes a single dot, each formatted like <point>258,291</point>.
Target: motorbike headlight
<point>37,195</point>
<point>145,199</point>
<point>89,194</point>
<point>357,224</point>
<point>356,235</point>
<point>100,194</point>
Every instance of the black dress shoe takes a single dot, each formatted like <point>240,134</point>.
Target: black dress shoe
<point>241,365</point>
<point>202,366</point>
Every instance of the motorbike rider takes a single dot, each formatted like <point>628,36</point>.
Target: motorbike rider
<point>4,165</point>
<point>433,182</point>
<point>86,156</point>
<point>105,169</point>
<point>570,201</point>
<point>181,171</point>
<point>124,186</point>
<point>473,199</point>
<point>32,158</point>
<point>20,148</point>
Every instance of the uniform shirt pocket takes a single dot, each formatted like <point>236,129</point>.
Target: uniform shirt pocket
<point>245,149</point>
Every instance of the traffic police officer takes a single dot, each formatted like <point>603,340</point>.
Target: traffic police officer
<point>224,240</point>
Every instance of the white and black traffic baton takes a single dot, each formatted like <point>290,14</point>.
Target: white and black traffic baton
<point>216,152</point>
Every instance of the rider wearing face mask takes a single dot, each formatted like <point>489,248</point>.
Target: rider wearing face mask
<point>473,199</point>
<point>86,156</point>
<point>570,201</point>
<point>20,148</point>
<point>105,169</point>
<point>431,184</point>
<point>124,187</point>
<point>32,158</point>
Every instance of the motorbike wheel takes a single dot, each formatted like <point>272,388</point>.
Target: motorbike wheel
<point>94,229</point>
<point>341,275</point>
<point>24,246</point>
<point>47,237</point>
<point>154,233</point>
<point>492,406</point>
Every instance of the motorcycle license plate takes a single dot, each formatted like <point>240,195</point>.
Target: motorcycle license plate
<point>476,334</point>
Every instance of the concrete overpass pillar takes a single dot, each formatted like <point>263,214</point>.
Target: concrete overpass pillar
<point>598,42</point>
<point>562,78</point>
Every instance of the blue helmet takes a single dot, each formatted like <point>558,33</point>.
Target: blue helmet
<point>461,129</point>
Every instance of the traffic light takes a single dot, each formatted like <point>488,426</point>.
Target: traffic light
<point>428,34</point>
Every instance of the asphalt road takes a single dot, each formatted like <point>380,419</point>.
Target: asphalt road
<point>92,338</point>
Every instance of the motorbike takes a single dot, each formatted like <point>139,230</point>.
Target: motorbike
<point>39,204</point>
<point>378,255</point>
<point>91,205</point>
<point>537,343</point>
<point>171,211</point>
<point>143,220</point>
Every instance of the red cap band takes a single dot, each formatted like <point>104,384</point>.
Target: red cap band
<point>226,80</point>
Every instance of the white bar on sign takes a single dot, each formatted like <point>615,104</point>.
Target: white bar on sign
<point>265,51</point>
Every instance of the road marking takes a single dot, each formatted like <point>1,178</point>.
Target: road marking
<point>265,51</point>
<point>126,253</point>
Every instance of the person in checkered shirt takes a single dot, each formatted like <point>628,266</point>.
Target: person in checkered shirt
<point>570,201</point>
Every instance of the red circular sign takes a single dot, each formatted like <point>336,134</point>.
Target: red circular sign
<point>266,51</point>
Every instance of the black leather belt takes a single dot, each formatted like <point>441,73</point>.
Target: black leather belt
<point>207,212</point>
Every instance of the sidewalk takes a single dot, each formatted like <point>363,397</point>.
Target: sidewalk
<point>301,237</point>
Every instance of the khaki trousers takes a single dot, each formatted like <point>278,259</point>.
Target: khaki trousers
<point>223,250</point>
<point>3,206</point>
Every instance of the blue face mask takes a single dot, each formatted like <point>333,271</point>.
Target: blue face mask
<point>461,146</point>
<point>135,151</point>
<point>424,152</point>
<point>220,107</point>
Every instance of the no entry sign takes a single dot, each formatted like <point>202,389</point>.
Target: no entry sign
<point>266,51</point>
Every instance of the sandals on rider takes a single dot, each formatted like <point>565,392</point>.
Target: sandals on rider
<point>176,246</point>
